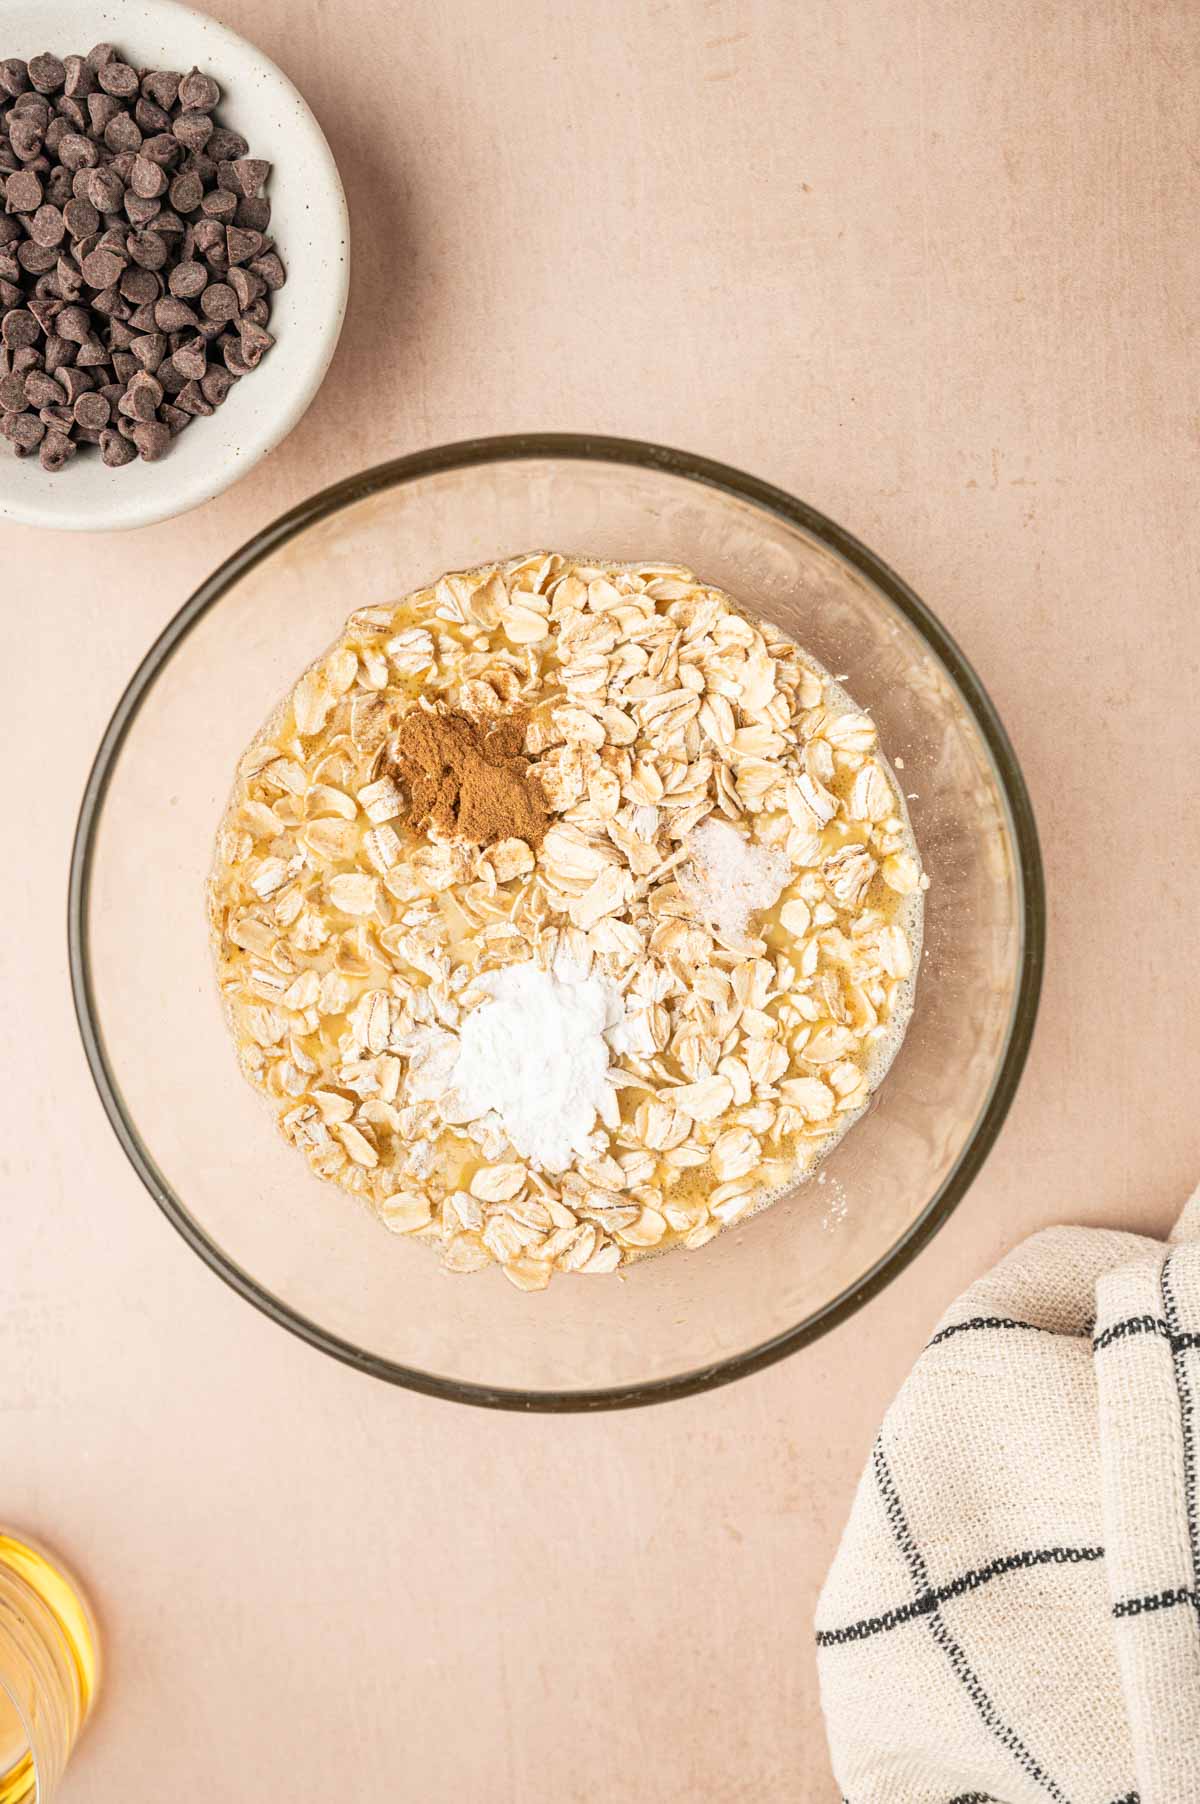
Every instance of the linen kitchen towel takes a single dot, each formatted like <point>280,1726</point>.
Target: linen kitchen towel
<point>1013,1614</point>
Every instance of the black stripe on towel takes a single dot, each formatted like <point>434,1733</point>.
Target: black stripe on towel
<point>1156,1600</point>
<point>1186,1412</point>
<point>976,1322</point>
<point>1144,1324</point>
<point>1004,1734</point>
<point>928,1601</point>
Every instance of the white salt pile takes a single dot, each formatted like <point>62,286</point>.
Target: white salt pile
<point>731,877</point>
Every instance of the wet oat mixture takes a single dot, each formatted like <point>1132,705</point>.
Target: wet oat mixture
<point>565,912</point>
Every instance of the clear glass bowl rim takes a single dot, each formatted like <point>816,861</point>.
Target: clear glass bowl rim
<point>584,448</point>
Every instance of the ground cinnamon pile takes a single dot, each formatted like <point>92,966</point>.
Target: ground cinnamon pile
<point>470,781</point>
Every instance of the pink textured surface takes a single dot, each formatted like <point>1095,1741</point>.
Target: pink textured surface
<point>930,264</point>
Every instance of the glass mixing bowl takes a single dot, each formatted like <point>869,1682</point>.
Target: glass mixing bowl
<point>202,1140</point>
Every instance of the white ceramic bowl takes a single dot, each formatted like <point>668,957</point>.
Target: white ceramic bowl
<point>308,220</point>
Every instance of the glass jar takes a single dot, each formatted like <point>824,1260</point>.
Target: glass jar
<point>49,1670</point>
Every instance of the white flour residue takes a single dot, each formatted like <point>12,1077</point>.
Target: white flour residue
<point>731,877</point>
<point>536,1056</point>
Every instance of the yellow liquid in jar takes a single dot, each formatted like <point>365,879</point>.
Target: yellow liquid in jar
<point>18,1781</point>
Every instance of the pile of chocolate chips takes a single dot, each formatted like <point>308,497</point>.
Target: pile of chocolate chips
<point>135,271</point>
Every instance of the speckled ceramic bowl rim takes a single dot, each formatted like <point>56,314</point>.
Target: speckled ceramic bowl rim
<point>314,241</point>
<point>1032,912</point>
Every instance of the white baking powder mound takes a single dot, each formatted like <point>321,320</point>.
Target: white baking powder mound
<point>537,1056</point>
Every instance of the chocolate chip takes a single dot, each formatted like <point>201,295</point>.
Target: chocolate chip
<point>138,210</point>
<point>102,268</point>
<point>118,78</point>
<point>236,361</point>
<point>198,92</point>
<point>175,418</point>
<point>162,148</point>
<point>80,218</point>
<point>24,430</point>
<point>148,249</point>
<point>162,87</point>
<point>218,205</point>
<point>217,384</point>
<point>152,439</point>
<point>252,173</point>
<point>207,235</point>
<point>75,381</point>
<point>243,246</point>
<point>173,380</point>
<point>73,324</point>
<point>47,226</point>
<point>33,106</point>
<point>191,359</point>
<point>150,349</point>
<point>42,390</point>
<point>142,317</point>
<point>142,398</point>
<point>77,152</point>
<point>172,315</point>
<point>122,133</point>
<point>153,120</point>
<point>25,136</point>
<point>219,301</point>
<point>108,302</point>
<point>193,400</point>
<point>226,146</point>
<point>187,280</point>
<point>115,450</point>
<point>80,78</point>
<point>99,55</point>
<point>12,392</point>
<point>257,312</point>
<point>56,450</point>
<point>187,191</point>
<point>45,311</point>
<point>168,223</point>
<point>105,189</point>
<point>125,365</point>
<point>47,73</point>
<point>19,328</point>
<point>148,180</point>
<point>102,108</point>
<point>140,285</point>
<point>58,187</point>
<point>120,335</point>
<point>256,342</point>
<point>198,164</point>
<point>59,353</point>
<point>91,354</point>
<point>23,192</point>
<point>14,76</point>
<point>193,130</point>
<point>36,259</point>
<point>254,213</point>
<point>246,286</point>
